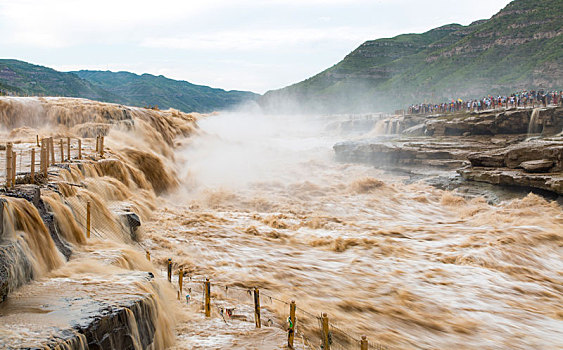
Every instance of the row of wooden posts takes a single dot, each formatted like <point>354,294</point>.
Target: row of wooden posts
<point>292,307</point>
<point>47,157</point>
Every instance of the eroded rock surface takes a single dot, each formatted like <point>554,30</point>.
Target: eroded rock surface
<point>492,147</point>
<point>109,313</point>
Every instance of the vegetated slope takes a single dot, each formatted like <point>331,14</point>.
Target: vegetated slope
<point>147,89</point>
<point>22,78</point>
<point>520,47</point>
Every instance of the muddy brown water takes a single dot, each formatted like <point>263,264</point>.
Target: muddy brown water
<point>264,204</point>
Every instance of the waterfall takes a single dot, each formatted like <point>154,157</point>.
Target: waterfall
<point>533,121</point>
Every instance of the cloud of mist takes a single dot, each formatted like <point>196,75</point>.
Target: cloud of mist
<point>240,148</point>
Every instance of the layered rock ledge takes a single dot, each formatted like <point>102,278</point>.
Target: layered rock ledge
<point>536,164</point>
<point>492,147</point>
<point>95,312</point>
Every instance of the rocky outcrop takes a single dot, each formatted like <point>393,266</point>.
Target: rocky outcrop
<point>410,152</point>
<point>541,153</point>
<point>111,328</point>
<point>536,164</point>
<point>112,315</point>
<point>515,177</point>
<point>500,160</point>
<point>545,121</point>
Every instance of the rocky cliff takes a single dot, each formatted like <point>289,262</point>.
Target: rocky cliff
<point>518,48</point>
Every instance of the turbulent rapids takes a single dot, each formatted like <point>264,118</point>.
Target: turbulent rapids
<point>259,201</point>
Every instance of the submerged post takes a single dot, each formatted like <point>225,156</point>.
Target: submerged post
<point>148,255</point>
<point>326,342</point>
<point>170,270</point>
<point>9,164</point>
<point>88,219</point>
<point>257,307</point>
<point>207,290</point>
<point>32,170</point>
<point>68,148</point>
<point>79,148</point>
<point>291,326</point>
<point>62,152</point>
<point>364,343</point>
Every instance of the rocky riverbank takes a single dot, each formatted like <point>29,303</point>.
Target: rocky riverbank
<point>519,147</point>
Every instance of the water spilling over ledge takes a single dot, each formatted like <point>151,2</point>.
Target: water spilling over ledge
<point>61,288</point>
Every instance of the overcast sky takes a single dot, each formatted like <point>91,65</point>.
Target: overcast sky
<point>254,45</point>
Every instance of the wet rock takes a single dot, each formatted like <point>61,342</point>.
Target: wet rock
<point>549,121</point>
<point>514,155</point>
<point>537,166</point>
<point>492,159</point>
<point>129,219</point>
<point>111,329</point>
<point>109,316</point>
<point>133,221</point>
<point>15,268</point>
<point>417,130</point>
<point>549,150</point>
<point>52,226</point>
<point>410,152</point>
<point>32,193</point>
<point>515,177</point>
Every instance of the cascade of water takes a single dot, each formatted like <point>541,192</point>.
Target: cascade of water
<point>532,126</point>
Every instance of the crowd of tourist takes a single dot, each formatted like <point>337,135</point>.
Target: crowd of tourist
<point>530,98</point>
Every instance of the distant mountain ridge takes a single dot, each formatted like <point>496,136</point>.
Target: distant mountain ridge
<point>520,47</point>
<point>22,78</point>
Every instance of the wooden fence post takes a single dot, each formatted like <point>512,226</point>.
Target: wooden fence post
<point>62,152</point>
<point>88,219</point>
<point>102,146</point>
<point>32,170</point>
<point>207,290</point>
<point>97,143</point>
<point>291,328</point>
<point>170,270</point>
<point>257,308</point>
<point>325,336</point>
<point>148,255</point>
<point>42,157</point>
<point>37,140</point>
<point>51,150</point>
<point>14,168</point>
<point>79,148</point>
<point>364,343</point>
<point>9,164</point>
<point>68,148</point>
<point>181,279</point>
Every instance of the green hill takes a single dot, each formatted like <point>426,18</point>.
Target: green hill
<point>521,47</point>
<point>21,78</point>
<point>147,89</point>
